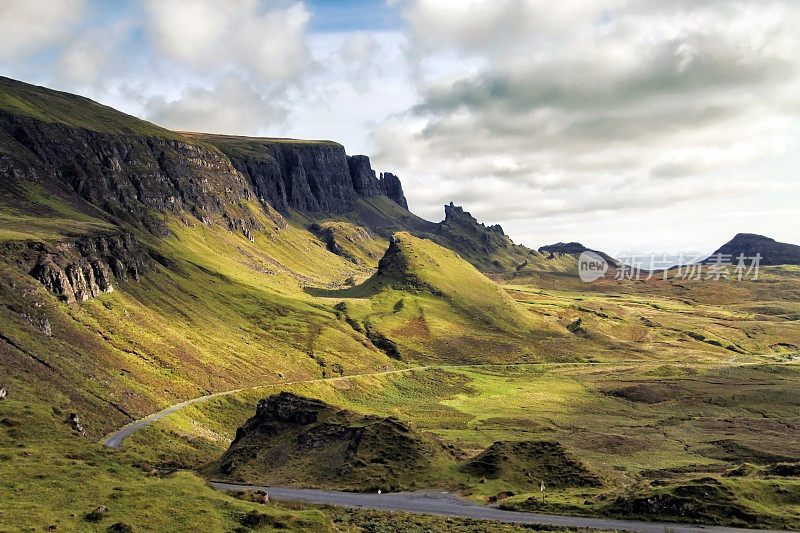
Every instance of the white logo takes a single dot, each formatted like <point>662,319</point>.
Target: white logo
<point>591,266</point>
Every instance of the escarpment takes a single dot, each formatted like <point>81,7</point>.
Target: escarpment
<point>306,176</point>
<point>89,159</point>
<point>131,177</point>
<point>135,171</point>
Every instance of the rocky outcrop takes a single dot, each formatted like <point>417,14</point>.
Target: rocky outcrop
<point>304,440</point>
<point>307,176</point>
<point>75,423</point>
<point>87,267</point>
<point>365,183</point>
<point>748,245</point>
<point>392,188</point>
<point>462,232</point>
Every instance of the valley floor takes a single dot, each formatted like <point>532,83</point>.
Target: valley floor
<point>645,427</point>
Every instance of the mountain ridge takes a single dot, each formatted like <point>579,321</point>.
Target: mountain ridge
<point>134,174</point>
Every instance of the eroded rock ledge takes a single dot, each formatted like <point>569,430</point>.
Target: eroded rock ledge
<point>86,267</point>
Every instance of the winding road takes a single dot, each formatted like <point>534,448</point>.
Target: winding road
<point>114,440</point>
<point>425,502</point>
<point>446,504</point>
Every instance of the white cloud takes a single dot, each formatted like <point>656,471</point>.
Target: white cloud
<point>87,56</point>
<point>261,39</point>
<point>359,54</point>
<point>29,26</point>
<point>231,106</point>
<point>533,109</point>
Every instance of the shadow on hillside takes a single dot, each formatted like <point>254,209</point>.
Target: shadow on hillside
<point>370,287</point>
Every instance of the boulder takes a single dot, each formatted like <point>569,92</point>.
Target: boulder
<point>75,423</point>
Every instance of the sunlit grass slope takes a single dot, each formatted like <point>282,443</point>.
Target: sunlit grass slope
<point>215,312</point>
<point>425,303</point>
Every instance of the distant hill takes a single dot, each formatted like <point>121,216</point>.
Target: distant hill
<point>574,249</point>
<point>772,252</point>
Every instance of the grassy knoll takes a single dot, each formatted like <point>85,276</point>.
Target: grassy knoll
<point>425,303</point>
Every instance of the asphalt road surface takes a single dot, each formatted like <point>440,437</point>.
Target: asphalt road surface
<point>446,504</point>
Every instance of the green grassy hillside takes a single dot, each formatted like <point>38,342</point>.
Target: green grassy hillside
<point>425,303</point>
<point>41,103</point>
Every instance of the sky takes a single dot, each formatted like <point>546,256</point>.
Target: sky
<point>632,126</point>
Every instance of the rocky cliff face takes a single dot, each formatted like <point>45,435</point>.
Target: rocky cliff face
<point>304,177</point>
<point>390,184</point>
<point>368,186</point>
<point>131,177</point>
<point>313,178</point>
<point>365,183</point>
<point>307,176</point>
<point>84,268</point>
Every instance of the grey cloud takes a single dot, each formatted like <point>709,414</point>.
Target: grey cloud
<point>635,106</point>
